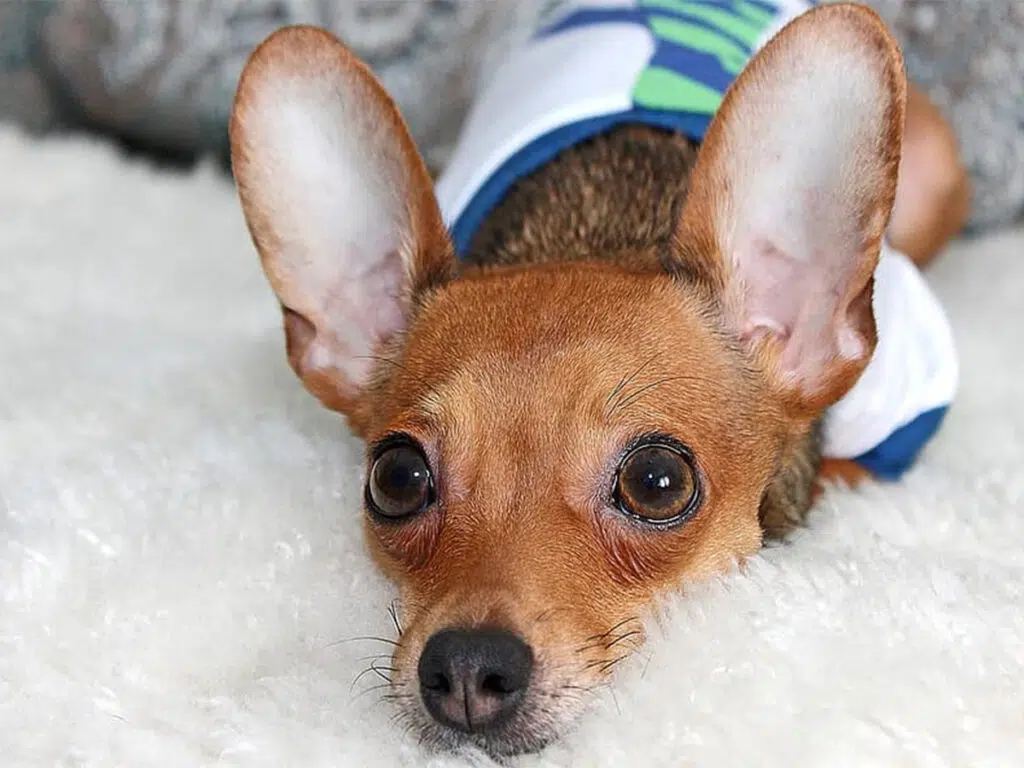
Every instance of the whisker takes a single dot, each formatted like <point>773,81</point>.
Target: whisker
<point>615,700</point>
<point>604,643</point>
<point>375,657</point>
<point>610,664</point>
<point>626,401</point>
<point>626,380</point>
<point>393,613</point>
<point>647,663</point>
<point>622,637</point>
<point>548,613</point>
<point>395,643</point>
<point>359,677</point>
<point>604,635</point>
<point>371,689</point>
<point>379,671</point>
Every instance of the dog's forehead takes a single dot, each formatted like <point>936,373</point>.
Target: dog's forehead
<point>554,310</point>
<point>540,361</point>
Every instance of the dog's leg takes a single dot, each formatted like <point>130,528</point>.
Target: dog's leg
<point>845,472</point>
<point>933,193</point>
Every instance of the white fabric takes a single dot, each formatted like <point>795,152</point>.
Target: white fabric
<point>552,82</point>
<point>180,547</point>
<point>527,99</point>
<point>914,369</point>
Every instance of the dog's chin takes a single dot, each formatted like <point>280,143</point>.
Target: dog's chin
<point>500,746</point>
<point>544,718</point>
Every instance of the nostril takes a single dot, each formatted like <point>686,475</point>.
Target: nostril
<point>438,683</point>
<point>497,685</point>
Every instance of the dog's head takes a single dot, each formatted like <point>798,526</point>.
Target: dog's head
<point>552,447</point>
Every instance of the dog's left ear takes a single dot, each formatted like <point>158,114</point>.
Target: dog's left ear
<point>792,193</point>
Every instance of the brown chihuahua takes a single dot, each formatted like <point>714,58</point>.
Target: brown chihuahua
<point>619,387</point>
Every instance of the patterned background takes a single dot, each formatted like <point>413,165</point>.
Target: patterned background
<point>160,74</point>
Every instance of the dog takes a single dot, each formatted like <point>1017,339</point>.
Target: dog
<point>630,342</point>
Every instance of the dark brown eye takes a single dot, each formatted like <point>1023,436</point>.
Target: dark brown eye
<point>400,482</point>
<point>657,484</point>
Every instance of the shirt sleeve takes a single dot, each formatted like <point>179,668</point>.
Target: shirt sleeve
<point>901,399</point>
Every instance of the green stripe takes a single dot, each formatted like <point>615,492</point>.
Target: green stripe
<point>731,56</point>
<point>755,14</point>
<point>660,88</point>
<point>727,21</point>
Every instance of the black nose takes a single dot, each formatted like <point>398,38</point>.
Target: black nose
<point>474,679</point>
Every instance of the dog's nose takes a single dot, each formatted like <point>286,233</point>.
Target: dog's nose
<point>474,679</point>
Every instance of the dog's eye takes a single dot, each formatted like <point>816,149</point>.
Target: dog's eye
<point>400,482</point>
<point>657,484</point>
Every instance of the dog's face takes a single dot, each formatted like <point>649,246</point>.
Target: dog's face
<point>573,459</point>
<point>551,448</point>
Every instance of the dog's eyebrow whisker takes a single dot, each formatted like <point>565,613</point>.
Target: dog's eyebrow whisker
<point>627,400</point>
<point>625,381</point>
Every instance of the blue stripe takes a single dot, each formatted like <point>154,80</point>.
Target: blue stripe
<point>543,150</point>
<point>585,17</point>
<point>891,458</point>
<point>705,68</point>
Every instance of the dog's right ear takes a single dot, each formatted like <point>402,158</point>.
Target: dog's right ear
<point>791,195</point>
<point>339,204</point>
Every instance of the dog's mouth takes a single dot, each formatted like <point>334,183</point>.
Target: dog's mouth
<point>530,730</point>
<point>488,689</point>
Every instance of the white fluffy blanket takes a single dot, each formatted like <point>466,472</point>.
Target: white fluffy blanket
<point>180,554</point>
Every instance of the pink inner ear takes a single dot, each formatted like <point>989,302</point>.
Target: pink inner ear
<point>363,311</point>
<point>799,302</point>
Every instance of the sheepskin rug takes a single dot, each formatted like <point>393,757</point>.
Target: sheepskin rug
<point>182,572</point>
